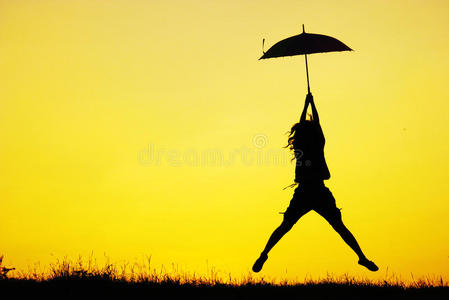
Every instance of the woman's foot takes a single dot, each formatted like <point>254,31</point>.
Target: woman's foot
<point>368,264</point>
<point>259,263</point>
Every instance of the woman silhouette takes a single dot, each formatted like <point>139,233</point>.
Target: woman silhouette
<point>307,141</point>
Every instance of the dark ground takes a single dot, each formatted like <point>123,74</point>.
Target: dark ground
<point>82,288</point>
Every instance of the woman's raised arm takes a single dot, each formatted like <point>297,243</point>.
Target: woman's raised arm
<point>315,117</point>
<point>304,111</point>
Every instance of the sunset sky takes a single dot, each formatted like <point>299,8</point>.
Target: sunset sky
<point>138,128</point>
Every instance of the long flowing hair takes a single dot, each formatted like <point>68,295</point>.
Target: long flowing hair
<point>300,132</point>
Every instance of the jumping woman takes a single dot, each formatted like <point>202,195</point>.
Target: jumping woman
<point>306,139</point>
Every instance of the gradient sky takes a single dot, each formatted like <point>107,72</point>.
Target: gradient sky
<point>138,128</point>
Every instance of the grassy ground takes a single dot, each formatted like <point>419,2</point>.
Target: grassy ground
<point>70,280</point>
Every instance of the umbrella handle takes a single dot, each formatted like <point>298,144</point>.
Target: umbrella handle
<point>307,68</point>
<point>307,73</point>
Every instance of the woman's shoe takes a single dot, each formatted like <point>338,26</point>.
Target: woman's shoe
<point>368,264</point>
<point>259,263</point>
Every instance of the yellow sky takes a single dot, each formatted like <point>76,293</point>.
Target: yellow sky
<point>150,128</point>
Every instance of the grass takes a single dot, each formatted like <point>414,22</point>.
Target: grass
<point>79,279</point>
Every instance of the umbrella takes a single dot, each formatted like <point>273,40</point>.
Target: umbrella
<point>305,43</point>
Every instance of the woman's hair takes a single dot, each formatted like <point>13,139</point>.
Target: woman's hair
<point>300,132</point>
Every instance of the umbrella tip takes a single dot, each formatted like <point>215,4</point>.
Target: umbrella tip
<point>303,30</point>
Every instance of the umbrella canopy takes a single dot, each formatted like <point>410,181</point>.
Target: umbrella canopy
<point>305,43</point>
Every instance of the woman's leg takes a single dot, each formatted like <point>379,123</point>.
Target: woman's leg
<point>326,207</point>
<point>287,224</point>
<point>352,242</point>
<point>332,214</point>
<point>347,236</point>
<point>277,234</point>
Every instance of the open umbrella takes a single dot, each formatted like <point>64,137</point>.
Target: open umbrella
<point>305,43</point>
